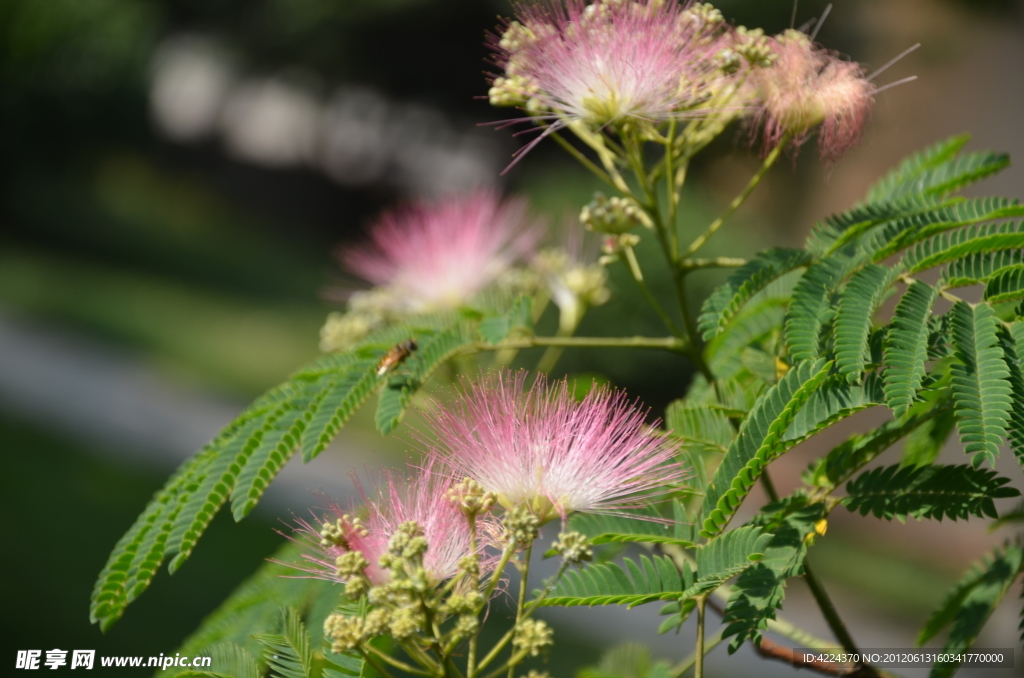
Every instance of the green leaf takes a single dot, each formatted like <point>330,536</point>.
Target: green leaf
<point>1012,342</point>
<point>907,347</point>
<point>496,328</point>
<point>705,424</point>
<point>608,529</point>
<point>956,173</point>
<point>435,348</point>
<point>812,305</point>
<point>629,660</point>
<point>289,654</point>
<point>956,245</point>
<point>759,590</point>
<point>914,166</point>
<point>845,459</point>
<point>655,578</point>
<point>857,306</point>
<point>924,443</point>
<point>902,233</point>
<point>979,268</point>
<point>227,661</point>
<point>726,301</point>
<point>971,602</point>
<point>839,230</point>
<point>835,400</point>
<point>1006,285</point>
<point>726,556</point>
<point>761,440</point>
<point>255,606</point>
<point>980,381</point>
<point>756,325</point>
<point>936,492</point>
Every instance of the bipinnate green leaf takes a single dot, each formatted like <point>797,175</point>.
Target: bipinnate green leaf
<point>1006,285</point>
<point>726,556</point>
<point>981,388</point>
<point>497,328</point>
<point>979,267</point>
<point>227,661</point>
<point>654,578</point>
<point>971,602</point>
<point>937,492</point>
<point>304,413</point>
<point>914,166</point>
<point>435,348</point>
<point>906,348</point>
<point>707,425</point>
<point>857,306</point>
<point>288,654</point>
<point>758,591</point>
<point>746,281</point>
<point>254,607</point>
<point>1011,340</point>
<point>647,528</point>
<point>628,660</point>
<point>812,306</point>
<point>975,239</point>
<point>761,439</point>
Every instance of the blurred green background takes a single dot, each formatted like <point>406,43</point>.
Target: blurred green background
<point>177,173</point>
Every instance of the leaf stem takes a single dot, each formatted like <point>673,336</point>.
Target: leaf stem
<point>524,574</point>
<point>698,664</point>
<point>634,268</point>
<point>674,344</point>
<point>688,662</point>
<point>739,199</point>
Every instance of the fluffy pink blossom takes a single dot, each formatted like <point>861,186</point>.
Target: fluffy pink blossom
<point>808,86</point>
<point>438,256</point>
<point>422,498</point>
<point>609,62</point>
<point>541,447</point>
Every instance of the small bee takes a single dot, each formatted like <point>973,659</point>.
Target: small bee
<point>395,356</point>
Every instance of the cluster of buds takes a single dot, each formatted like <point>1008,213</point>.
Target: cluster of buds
<point>613,215</point>
<point>469,496</point>
<point>521,527</point>
<point>367,311</point>
<point>573,547</point>
<point>337,533</point>
<point>574,282</point>
<point>753,45</point>
<point>532,636</point>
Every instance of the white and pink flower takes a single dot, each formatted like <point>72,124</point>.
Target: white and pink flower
<point>543,448</point>
<point>431,257</point>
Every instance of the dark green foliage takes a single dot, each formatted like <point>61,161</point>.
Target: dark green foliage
<point>743,284</point>
<point>723,558</point>
<point>912,167</point>
<point>629,660</point>
<point>649,528</point>
<point>304,413</point>
<point>970,603</point>
<point>1006,284</point>
<point>228,661</point>
<point>907,347</point>
<point>857,307</point>
<point>497,328</point>
<point>812,307</point>
<point>927,492</point>
<point>759,591</point>
<point>289,654</point>
<point>980,382</point>
<point>760,440</point>
<point>655,578</point>
<point>1012,342</point>
<point>706,425</point>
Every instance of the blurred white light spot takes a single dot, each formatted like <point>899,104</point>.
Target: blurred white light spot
<point>191,76</point>
<point>270,122</point>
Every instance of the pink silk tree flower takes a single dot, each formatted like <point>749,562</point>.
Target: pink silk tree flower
<point>542,448</point>
<point>807,86</point>
<point>423,498</point>
<point>610,62</point>
<point>433,257</point>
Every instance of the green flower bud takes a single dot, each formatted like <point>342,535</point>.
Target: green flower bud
<point>573,547</point>
<point>532,636</point>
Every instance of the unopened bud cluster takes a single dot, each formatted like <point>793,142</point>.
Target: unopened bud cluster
<point>470,497</point>
<point>532,636</point>
<point>521,527</point>
<point>573,548</point>
<point>613,215</point>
